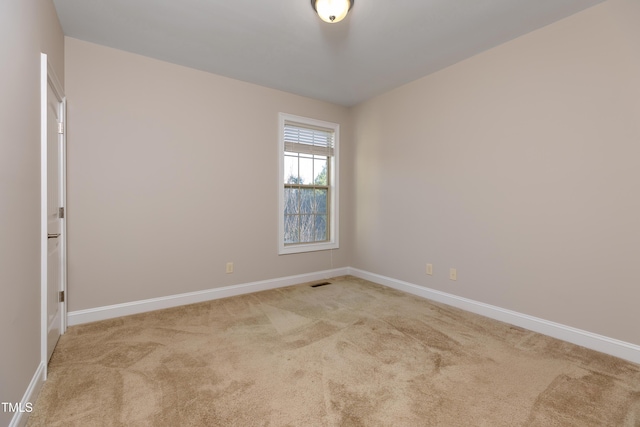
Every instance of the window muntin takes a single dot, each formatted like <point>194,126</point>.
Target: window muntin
<point>308,178</point>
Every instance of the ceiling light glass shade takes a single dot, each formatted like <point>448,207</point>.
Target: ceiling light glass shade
<point>332,11</point>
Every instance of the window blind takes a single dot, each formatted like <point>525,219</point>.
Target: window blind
<point>308,140</point>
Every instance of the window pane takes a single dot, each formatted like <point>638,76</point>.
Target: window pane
<point>307,202</point>
<point>306,169</point>
<point>291,201</point>
<point>320,228</point>
<point>320,171</point>
<point>291,169</point>
<point>291,229</point>
<point>321,201</point>
<point>306,228</point>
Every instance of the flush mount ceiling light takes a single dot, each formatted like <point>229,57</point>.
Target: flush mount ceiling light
<point>332,11</point>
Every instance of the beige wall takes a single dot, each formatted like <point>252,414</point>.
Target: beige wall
<point>172,172</point>
<point>520,168</point>
<point>27,27</point>
<point>515,166</point>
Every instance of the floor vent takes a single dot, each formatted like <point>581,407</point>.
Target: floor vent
<point>317,285</point>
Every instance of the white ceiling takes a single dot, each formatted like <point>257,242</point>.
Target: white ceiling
<point>282,44</point>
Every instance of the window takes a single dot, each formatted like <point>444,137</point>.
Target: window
<point>308,185</point>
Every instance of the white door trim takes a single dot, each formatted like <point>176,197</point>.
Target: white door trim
<point>48,78</point>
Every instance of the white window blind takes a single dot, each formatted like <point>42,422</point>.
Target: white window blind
<point>305,139</point>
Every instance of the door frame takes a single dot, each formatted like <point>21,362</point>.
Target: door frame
<point>48,78</point>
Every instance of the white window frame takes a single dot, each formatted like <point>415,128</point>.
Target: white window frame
<point>333,217</point>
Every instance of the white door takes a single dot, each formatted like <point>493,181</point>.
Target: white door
<point>54,222</point>
<point>53,187</point>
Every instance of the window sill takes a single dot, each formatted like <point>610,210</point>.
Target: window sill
<point>310,247</point>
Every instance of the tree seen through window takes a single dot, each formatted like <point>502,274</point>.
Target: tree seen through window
<point>306,198</point>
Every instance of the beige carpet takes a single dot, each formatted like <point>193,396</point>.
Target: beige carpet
<point>351,353</point>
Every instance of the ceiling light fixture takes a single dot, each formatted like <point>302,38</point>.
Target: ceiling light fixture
<point>332,11</point>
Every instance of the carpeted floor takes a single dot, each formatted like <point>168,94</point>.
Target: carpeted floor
<point>351,353</point>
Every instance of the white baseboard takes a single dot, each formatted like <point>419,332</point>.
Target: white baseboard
<point>117,310</point>
<point>614,347</point>
<point>20,418</point>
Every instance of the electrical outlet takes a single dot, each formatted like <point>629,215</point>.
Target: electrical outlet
<point>430,269</point>
<point>229,267</point>
<point>453,274</point>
